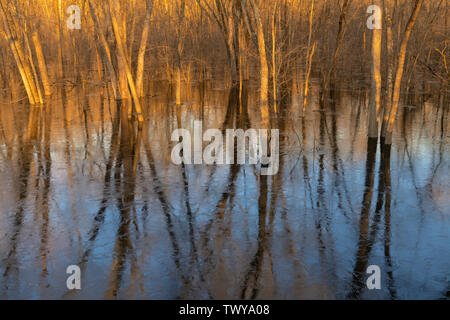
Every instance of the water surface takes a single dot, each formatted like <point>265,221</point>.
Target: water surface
<point>80,184</point>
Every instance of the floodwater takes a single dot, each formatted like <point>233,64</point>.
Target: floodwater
<point>80,185</point>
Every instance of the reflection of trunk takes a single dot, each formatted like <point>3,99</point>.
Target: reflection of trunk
<point>386,158</point>
<point>338,175</point>
<point>363,242</point>
<point>230,122</point>
<point>193,248</point>
<point>228,195</point>
<point>100,215</point>
<point>165,205</point>
<point>46,189</point>
<point>128,157</point>
<point>400,66</point>
<point>321,203</point>
<point>252,276</point>
<point>375,88</point>
<point>24,161</point>
<point>305,164</point>
<point>167,208</point>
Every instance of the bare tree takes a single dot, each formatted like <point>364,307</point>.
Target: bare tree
<point>375,88</point>
<point>142,49</point>
<point>388,124</point>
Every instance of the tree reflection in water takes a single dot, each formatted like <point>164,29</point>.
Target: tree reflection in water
<point>82,184</point>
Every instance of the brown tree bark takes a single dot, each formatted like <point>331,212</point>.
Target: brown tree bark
<point>375,90</point>
<point>390,70</point>
<point>400,68</point>
<point>179,53</point>
<point>106,52</point>
<point>18,54</point>
<point>252,17</point>
<point>122,58</point>
<point>142,49</point>
<point>310,53</point>
<point>41,64</point>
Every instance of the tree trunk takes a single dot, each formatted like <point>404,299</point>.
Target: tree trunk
<point>60,35</point>
<point>308,73</point>
<point>123,60</point>
<point>310,52</point>
<point>264,70</point>
<point>390,71</point>
<point>41,64</point>
<point>231,38</point>
<point>274,62</point>
<point>33,71</point>
<point>399,74</point>
<point>17,51</point>
<point>142,49</point>
<point>119,16</point>
<point>181,14</point>
<point>106,54</point>
<point>340,36</point>
<point>375,90</point>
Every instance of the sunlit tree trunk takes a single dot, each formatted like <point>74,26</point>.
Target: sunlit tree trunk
<point>19,57</point>
<point>131,6</point>
<point>41,64</point>
<point>99,62</point>
<point>375,88</point>
<point>113,8</point>
<point>390,70</point>
<point>23,74</point>
<point>310,53</point>
<point>231,40</point>
<point>106,53</point>
<point>60,36</point>
<point>308,74</point>
<point>400,66</point>
<point>274,62</point>
<point>121,35</point>
<point>180,16</point>
<point>252,17</point>
<point>142,49</point>
<point>264,67</point>
<point>33,71</point>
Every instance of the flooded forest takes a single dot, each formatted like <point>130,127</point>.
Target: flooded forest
<point>92,90</point>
